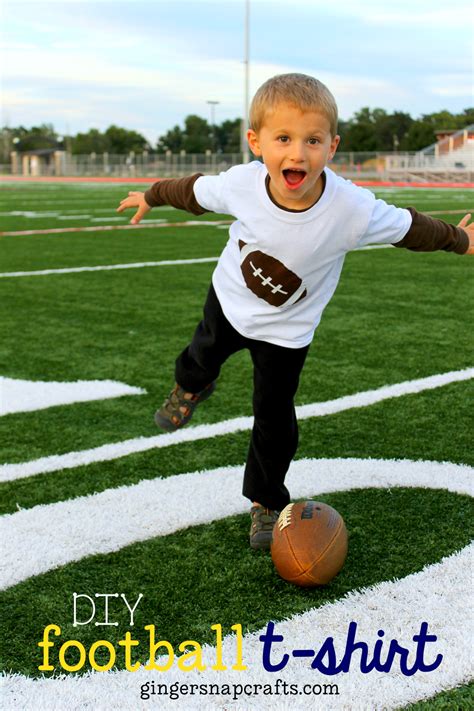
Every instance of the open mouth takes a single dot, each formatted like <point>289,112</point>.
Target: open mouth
<point>294,177</point>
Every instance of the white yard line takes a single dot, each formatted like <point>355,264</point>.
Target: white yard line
<point>449,212</point>
<point>108,267</point>
<point>48,536</point>
<point>31,395</point>
<point>373,246</point>
<point>108,452</point>
<point>103,228</point>
<point>133,265</point>
<point>74,217</point>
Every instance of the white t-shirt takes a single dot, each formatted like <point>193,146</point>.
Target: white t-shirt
<point>279,268</point>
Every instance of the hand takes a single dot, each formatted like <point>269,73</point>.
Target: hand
<point>469,230</point>
<point>135,200</point>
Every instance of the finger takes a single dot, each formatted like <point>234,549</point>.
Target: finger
<point>464,220</point>
<point>142,210</point>
<point>137,217</point>
<point>126,203</point>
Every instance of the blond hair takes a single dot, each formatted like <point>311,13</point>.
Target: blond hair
<point>300,90</point>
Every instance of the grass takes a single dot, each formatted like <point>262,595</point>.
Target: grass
<point>372,334</point>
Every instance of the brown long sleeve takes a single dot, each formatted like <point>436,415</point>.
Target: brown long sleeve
<point>427,235</point>
<point>177,192</point>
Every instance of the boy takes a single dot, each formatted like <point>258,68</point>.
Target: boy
<point>296,220</point>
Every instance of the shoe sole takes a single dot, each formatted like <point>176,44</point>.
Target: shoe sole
<point>262,546</point>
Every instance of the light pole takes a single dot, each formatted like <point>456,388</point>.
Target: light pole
<point>245,120</point>
<point>213,105</point>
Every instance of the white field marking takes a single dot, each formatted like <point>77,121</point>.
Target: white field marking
<point>154,221</point>
<point>149,221</point>
<point>29,213</point>
<point>449,212</point>
<point>108,452</point>
<point>373,246</point>
<point>74,217</point>
<point>109,267</point>
<point>50,535</point>
<point>81,202</point>
<point>440,594</point>
<point>111,219</point>
<point>29,395</point>
<point>141,226</point>
<point>136,265</point>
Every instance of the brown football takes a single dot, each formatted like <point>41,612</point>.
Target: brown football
<point>309,543</point>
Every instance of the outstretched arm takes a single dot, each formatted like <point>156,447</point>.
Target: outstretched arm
<point>427,234</point>
<point>177,192</point>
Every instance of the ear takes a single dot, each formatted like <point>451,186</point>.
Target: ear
<point>333,148</point>
<point>252,140</point>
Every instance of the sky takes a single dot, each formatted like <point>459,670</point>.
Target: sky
<point>147,64</point>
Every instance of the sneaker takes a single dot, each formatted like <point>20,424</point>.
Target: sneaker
<point>177,410</point>
<point>261,528</point>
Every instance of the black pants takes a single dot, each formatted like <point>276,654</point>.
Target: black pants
<point>276,375</point>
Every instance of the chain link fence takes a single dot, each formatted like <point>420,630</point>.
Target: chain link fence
<point>353,165</point>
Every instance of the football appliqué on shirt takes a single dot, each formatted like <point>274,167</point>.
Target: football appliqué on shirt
<point>268,278</point>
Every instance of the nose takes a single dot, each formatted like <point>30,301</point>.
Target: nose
<point>298,151</point>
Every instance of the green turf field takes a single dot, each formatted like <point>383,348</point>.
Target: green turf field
<point>396,316</point>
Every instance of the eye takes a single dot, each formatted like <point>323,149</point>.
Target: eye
<point>313,141</point>
<point>283,139</point>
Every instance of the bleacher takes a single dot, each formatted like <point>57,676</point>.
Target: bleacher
<point>451,158</point>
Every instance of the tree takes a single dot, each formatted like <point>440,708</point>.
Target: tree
<point>419,136</point>
<point>228,136</point>
<point>391,129</point>
<point>91,142</point>
<point>197,135</point>
<point>35,138</point>
<point>375,130</point>
<point>360,134</point>
<point>121,140</point>
<point>368,130</point>
<point>342,132</point>
<point>113,140</point>
<point>171,141</point>
<point>467,117</point>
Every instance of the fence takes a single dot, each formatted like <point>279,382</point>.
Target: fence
<point>153,165</point>
<point>354,165</point>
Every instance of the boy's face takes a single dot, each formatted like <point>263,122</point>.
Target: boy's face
<point>295,146</point>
